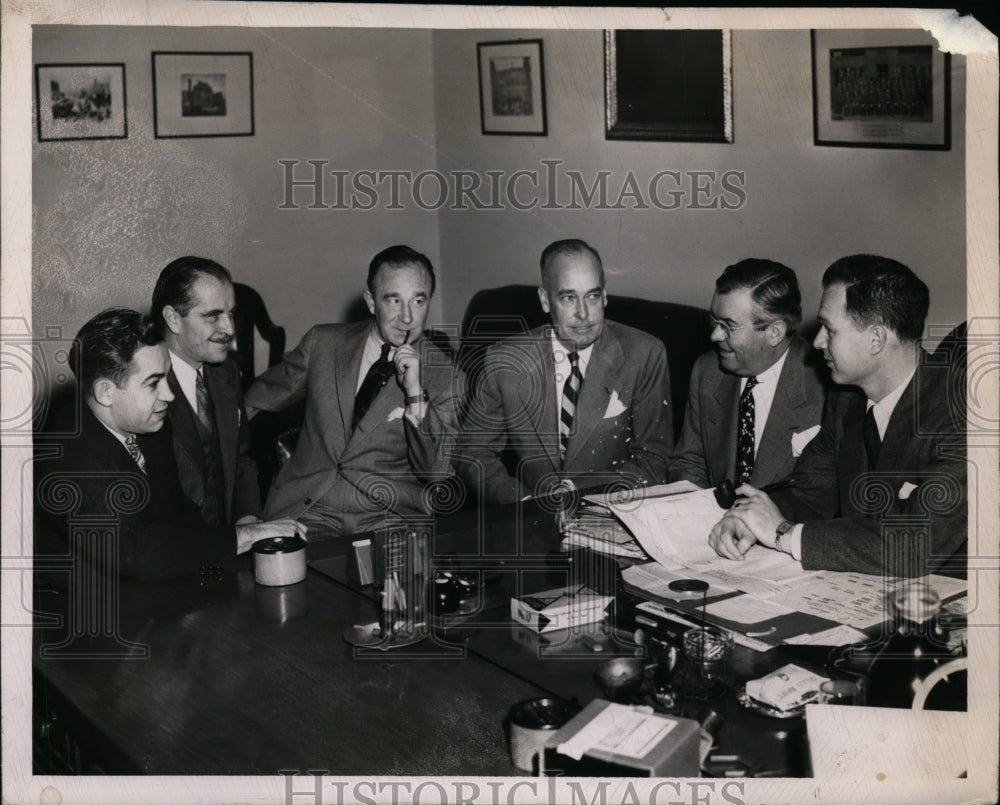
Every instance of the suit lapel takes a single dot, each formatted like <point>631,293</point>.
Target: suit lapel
<point>227,424</point>
<point>852,459</point>
<point>781,421</point>
<point>347,363</point>
<point>595,393</point>
<point>182,419</point>
<point>899,433</point>
<point>720,427</point>
<point>538,380</point>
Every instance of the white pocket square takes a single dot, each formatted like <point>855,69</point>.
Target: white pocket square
<point>395,413</point>
<point>906,490</point>
<point>615,406</point>
<point>802,438</point>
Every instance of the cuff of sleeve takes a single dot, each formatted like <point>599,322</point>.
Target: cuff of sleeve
<point>795,542</point>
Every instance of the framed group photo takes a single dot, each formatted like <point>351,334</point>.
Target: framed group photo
<point>880,89</point>
<point>202,94</point>
<point>80,101</point>
<point>512,87</point>
<point>668,85</point>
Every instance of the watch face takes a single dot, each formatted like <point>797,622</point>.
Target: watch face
<point>784,527</point>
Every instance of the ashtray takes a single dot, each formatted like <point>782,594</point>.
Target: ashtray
<point>761,709</point>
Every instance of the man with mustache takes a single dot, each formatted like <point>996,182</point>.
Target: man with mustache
<point>109,484</point>
<point>193,302</point>
<point>882,488</point>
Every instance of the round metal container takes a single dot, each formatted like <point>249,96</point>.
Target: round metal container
<point>279,560</point>
<point>531,723</point>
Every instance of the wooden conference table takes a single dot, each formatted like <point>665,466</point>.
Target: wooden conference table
<point>222,676</point>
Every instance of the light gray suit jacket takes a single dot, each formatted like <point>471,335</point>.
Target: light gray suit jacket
<point>622,429</point>
<point>706,451</point>
<point>379,470</point>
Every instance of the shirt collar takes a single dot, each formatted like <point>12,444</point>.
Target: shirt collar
<point>770,375</point>
<point>560,353</point>
<point>882,410</point>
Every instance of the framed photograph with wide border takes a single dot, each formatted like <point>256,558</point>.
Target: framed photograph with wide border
<point>202,94</point>
<point>80,101</point>
<point>512,87</point>
<point>881,89</point>
<point>668,85</point>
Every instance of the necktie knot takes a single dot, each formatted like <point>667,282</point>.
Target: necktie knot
<point>132,445</point>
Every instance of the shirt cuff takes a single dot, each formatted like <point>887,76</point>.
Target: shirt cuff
<point>795,542</point>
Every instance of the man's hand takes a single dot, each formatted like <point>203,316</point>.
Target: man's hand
<point>730,538</point>
<point>407,363</point>
<point>249,533</point>
<point>758,513</point>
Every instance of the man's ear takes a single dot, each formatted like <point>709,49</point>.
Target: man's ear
<point>878,335</point>
<point>172,318</point>
<point>369,300</point>
<point>776,332</point>
<point>104,390</point>
<point>543,297</point>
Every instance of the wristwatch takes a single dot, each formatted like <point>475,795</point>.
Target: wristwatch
<point>418,398</point>
<point>783,528</point>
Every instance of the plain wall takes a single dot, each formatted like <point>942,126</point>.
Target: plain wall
<point>805,205</point>
<point>109,214</point>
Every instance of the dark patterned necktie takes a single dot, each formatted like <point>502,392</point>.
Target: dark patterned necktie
<point>133,450</point>
<point>571,391</point>
<point>873,442</point>
<point>204,403</point>
<point>379,374</point>
<point>745,434</point>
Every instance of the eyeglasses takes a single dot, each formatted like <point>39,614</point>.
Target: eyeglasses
<point>729,329</point>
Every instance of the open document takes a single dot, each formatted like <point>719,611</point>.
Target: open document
<point>672,523</point>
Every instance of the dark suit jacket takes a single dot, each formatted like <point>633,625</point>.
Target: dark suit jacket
<point>706,451</point>
<point>380,469</point>
<point>160,532</point>
<point>919,486</point>
<point>242,490</point>
<point>622,429</point>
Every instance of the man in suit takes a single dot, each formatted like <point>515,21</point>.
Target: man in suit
<point>193,302</point>
<point>583,402</point>
<point>118,469</point>
<point>882,488</point>
<point>756,399</point>
<point>381,407</point>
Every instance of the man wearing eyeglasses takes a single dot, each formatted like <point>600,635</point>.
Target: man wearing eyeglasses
<point>756,399</point>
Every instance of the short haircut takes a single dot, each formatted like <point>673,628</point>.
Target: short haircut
<point>568,246</point>
<point>106,345</point>
<point>397,257</point>
<point>775,288</point>
<point>879,290</point>
<point>176,281</point>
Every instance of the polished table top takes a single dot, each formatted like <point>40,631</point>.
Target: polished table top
<point>228,677</point>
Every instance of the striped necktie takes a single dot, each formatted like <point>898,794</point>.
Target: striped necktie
<point>133,450</point>
<point>745,434</point>
<point>204,403</point>
<point>571,391</point>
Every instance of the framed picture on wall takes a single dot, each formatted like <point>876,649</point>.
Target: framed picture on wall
<point>80,101</point>
<point>202,94</point>
<point>512,87</point>
<point>881,89</point>
<point>668,85</point>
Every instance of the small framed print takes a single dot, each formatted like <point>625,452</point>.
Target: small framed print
<point>881,89</point>
<point>512,87</point>
<point>202,94</point>
<point>80,101</point>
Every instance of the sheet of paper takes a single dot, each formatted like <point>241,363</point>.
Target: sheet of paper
<point>655,579</point>
<point>621,729</point>
<point>644,493</point>
<point>837,636</point>
<point>880,746</point>
<point>676,526</point>
<point>746,609</point>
